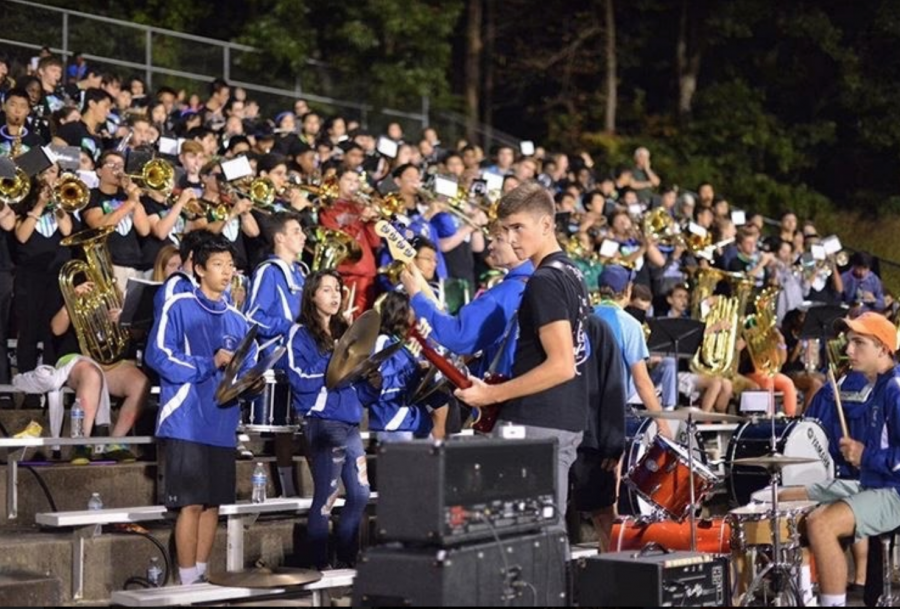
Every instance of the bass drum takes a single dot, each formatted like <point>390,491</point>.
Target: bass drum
<point>793,438</point>
<point>713,536</point>
<point>639,434</point>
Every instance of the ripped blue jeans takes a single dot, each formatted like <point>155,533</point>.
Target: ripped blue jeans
<point>337,453</point>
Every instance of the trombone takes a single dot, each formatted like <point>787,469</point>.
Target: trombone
<point>156,174</point>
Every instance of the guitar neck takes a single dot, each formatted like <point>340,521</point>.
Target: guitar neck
<point>446,367</point>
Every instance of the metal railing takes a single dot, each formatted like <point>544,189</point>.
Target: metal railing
<point>156,52</point>
<point>60,32</point>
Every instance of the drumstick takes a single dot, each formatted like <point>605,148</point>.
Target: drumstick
<point>837,401</point>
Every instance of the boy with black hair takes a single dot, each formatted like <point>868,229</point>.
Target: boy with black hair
<point>15,132</point>
<point>197,433</point>
<point>89,133</point>
<point>181,281</point>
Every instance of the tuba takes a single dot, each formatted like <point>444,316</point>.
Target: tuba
<point>659,226</point>
<point>333,247</point>
<point>716,354</point>
<point>761,334</point>
<point>100,338</point>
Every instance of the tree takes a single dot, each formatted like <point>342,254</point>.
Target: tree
<point>612,95</point>
<point>474,47</point>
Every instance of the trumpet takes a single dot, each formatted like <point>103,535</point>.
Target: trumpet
<point>156,174</point>
<point>14,190</point>
<point>387,206</point>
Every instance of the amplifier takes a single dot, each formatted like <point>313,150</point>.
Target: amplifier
<point>446,493</point>
<point>639,579</point>
<point>518,571</point>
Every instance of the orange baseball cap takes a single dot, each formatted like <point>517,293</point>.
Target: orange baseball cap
<point>871,324</point>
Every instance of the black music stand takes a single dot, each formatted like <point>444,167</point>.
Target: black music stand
<point>675,336</point>
<point>819,321</point>
<point>137,310</point>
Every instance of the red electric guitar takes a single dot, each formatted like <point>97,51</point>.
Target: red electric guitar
<point>485,416</point>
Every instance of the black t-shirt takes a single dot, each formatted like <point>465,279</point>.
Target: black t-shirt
<point>42,251</point>
<point>124,245</point>
<point>77,134</point>
<point>150,245</point>
<point>552,295</point>
<point>6,260</point>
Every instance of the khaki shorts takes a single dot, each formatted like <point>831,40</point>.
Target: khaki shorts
<point>875,510</point>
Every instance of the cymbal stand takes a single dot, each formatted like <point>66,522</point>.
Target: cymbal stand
<point>784,575</point>
<point>691,432</point>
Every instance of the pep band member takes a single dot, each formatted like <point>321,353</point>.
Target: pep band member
<point>198,434</point>
<point>870,506</point>
<point>333,417</point>
<point>549,393</point>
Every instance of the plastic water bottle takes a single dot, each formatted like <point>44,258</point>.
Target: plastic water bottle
<point>154,573</point>
<point>77,419</point>
<point>95,503</point>
<point>260,480</point>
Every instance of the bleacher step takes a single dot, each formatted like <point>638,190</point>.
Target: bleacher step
<point>23,588</point>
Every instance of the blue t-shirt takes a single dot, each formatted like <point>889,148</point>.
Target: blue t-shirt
<point>629,335</point>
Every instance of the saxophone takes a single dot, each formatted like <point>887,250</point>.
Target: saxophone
<point>761,334</point>
<point>15,149</point>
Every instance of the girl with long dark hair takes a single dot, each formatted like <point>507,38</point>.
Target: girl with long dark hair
<point>332,419</point>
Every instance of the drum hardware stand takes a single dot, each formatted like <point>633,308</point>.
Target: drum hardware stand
<point>691,430</point>
<point>783,573</point>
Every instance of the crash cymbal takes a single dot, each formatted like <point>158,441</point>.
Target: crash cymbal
<point>367,366</point>
<point>240,354</point>
<point>354,347</point>
<point>773,461</point>
<point>695,414</point>
<point>227,393</point>
<point>279,577</point>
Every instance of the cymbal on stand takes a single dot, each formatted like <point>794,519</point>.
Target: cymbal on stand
<point>695,414</point>
<point>773,461</point>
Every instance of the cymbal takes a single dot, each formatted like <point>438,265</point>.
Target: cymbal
<point>279,577</point>
<point>695,414</point>
<point>225,394</point>
<point>364,368</point>
<point>773,461</point>
<point>353,348</point>
<point>240,354</point>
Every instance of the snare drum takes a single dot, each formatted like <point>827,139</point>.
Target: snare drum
<point>793,438</point>
<point>713,536</point>
<point>662,476</point>
<point>639,433</point>
<point>752,524</point>
<point>271,411</point>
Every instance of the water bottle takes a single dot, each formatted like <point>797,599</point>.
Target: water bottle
<point>154,573</point>
<point>77,419</point>
<point>95,503</point>
<point>260,479</point>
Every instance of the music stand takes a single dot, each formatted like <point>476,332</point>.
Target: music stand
<point>137,310</point>
<point>819,321</point>
<point>675,336</point>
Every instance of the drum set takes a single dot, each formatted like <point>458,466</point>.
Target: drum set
<point>668,483</point>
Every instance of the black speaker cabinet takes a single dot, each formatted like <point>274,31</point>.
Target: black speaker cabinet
<point>445,493</point>
<point>519,571</point>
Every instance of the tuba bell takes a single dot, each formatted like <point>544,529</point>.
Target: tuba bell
<point>99,337</point>
<point>333,247</point>
<point>761,335</point>
<point>14,190</point>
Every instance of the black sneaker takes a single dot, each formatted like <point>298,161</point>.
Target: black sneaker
<point>119,453</point>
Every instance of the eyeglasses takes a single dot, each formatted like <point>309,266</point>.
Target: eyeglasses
<point>114,166</point>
